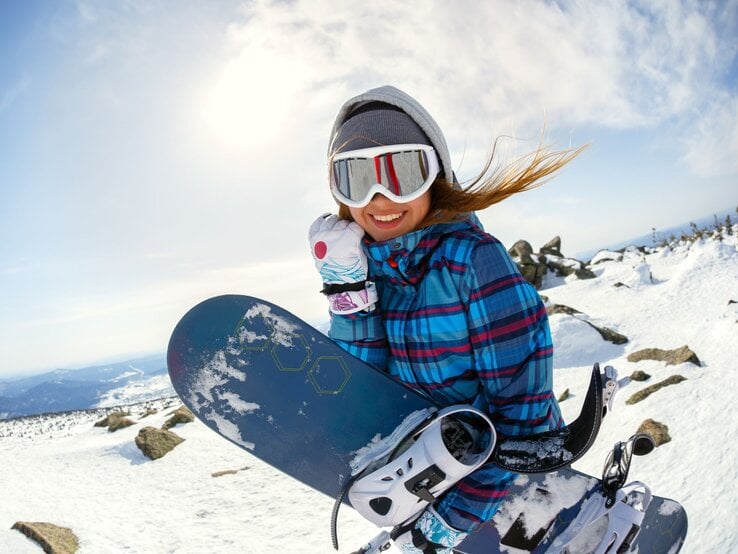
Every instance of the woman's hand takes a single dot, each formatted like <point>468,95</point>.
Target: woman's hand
<point>336,246</point>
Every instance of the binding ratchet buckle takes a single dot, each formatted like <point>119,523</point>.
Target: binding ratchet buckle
<point>424,465</point>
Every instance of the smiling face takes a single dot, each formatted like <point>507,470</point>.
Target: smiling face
<point>383,219</point>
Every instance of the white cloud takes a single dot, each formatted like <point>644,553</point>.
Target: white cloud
<point>711,141</point>
<point>200,132</point>
<point>484,69</point>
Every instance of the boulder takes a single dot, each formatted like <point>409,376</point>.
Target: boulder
<point>554,309</point>
<point>52,538</point>
<point>534,267</point>
<point>606,256</point>
<point>608,334</point>
<point>105,422</point>
<point>530,267</point>
<point>584,273</point>
<point>522,250</point>
<point>564,396</point>
<point>563,267</point>
<point>656,430</point>
<point>639,375</point>
<point>156,443</point>
<point>115,421</point>
<point>605,332</point>
<point>648,391</point>
<point>677,356</point>
<point>533,273</point>
<point>180,415</point>
<point>552,247</point>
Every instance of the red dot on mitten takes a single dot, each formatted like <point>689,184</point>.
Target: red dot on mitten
<point>320,248</point>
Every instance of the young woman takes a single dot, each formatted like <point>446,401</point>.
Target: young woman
<point>419,290</point>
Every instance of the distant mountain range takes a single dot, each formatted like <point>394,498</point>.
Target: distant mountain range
<point>61,390</point>
<point>657,235</point>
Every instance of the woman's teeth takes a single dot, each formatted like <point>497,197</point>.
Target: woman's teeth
<point>390,217</point>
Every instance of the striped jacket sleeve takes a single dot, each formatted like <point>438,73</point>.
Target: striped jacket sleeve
<point>512,352</point>
<point>362,335</point>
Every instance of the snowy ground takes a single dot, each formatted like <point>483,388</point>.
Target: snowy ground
<point>687,303</point>
<point>116,500</point>
<point>63,470</point>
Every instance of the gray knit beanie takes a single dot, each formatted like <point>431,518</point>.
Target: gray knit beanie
<point>377,124</point>
<point>384,116</point>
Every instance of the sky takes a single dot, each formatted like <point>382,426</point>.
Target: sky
<point>154,154</point>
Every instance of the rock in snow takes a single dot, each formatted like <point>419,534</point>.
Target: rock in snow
<point>681,355</point>
<point>52,538</point>
<point>656,430</point>
<point>156,443</point>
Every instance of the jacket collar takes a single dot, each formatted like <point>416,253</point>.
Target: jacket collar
<point>402,258</point>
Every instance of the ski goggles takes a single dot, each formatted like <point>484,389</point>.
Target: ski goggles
<point>401,172</point>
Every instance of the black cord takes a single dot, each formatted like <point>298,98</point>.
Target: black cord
<point>334,511</point>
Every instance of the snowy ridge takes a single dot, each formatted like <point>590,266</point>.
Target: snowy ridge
<point>135,392</point>
<point>62,390</point>
<point>67,424</point>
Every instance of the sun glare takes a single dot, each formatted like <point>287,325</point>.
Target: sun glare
<point>250,103</point>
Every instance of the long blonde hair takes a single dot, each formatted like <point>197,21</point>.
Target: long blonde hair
<point>451,202</point>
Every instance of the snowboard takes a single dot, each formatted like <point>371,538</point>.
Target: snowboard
<point>284,392</point>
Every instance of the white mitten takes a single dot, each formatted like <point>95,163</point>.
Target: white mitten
<point>336,247</point>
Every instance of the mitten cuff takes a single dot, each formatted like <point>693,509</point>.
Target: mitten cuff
<point>349,302</point>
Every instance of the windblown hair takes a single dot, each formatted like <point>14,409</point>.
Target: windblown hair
<point>449,202</point>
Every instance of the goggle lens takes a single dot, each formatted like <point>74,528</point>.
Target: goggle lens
<point>400,174</point>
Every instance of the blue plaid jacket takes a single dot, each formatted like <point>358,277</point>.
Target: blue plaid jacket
<point>457,322</point>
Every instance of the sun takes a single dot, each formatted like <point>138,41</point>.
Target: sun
<point>250,103</point>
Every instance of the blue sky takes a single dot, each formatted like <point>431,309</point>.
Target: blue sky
<point>153,154</point>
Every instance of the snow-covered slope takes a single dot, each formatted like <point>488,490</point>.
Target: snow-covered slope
<point>116,500</point>
<point>691,299</point>
<point>63,470</point>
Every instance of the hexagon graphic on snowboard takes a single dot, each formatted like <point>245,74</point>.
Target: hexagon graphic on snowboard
<point>329,375</point>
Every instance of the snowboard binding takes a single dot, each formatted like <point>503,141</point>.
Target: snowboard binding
<point>610,520</point>
<point>457,441</point>
<point>617,465</point>
<point>409,473</point>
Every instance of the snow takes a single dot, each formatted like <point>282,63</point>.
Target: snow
<point>116,500</point>
<point>563,492</point>
<point>540,451</point>
<point>157,386</point>
<point>688,302</point>
<point>61,469</point>
<point>282,331</point>
<point>580,337</point>
<point>380,447</point>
